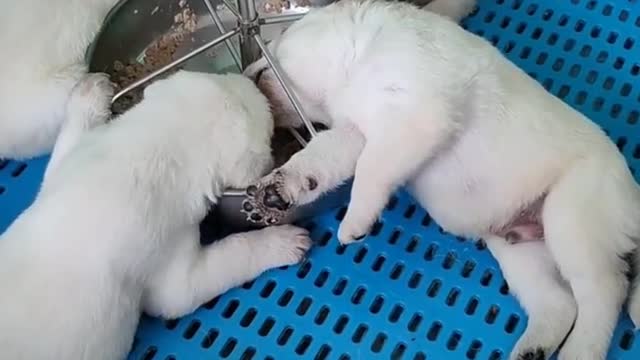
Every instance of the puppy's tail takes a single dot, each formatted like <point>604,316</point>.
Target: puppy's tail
<point>455,10</point>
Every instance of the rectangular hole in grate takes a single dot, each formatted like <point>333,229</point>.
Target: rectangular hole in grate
<point>211,303</point>
<point>472,306</point>
<point>414,280</point>
<point>2,189</point>
<point>454,340</point>
<point>360,332</point>
<point>248,353</point>
<point>434,331</point>
<point>340,324</point>
<point>413,244</point>
<point>228,347</point>
<point>359,256</point>
<point>171,324</point>
<point>431,251</point>
<point>415,322</point>
<point>420,356</point>
<point>626,341</point>
<point>376,304</point>
<point>210,338</point>
<point>321,279</point>
<point>398,351</point>
<point>18,170</point>
<point>378,263</point>
<point>284,336</point>
<point>474,349</point>
<point>248,285</point>
<point>357,296</point>
<point>341,213</point>
<point>267,289</point>
<point>395,313</point>
<point>408,213</point>
<point>492,314</point>
<point>304,269</point>
<point>467,268</point>
<point>434,288</point>
<point>377,228</point>
<point>323,352</point>
<point>378,342</point>
<point>285,298</point>
<point>324,240</point>
<point>485,280</point>
<point>303,345</point>
<point>3,164</point>
<point>341,284</point>
<point>452,297</point>
<point>393,202</point>
<point>304,306</point>
<point>322,315</point>
<point>248,317</point>
<point>150,353</point>
<point>395,235</point>
<point>266,326</point>
<point>191,330</point>
<point>495,355</point>
<point>230,309</point>
<point>449,260</point>
<point>344,357</point>
<point>511,324</point>
<point>396,272</point>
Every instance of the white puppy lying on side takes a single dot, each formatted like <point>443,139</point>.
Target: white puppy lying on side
<point>114,229</point>
<point>410,97</point>
<point>43,45</point>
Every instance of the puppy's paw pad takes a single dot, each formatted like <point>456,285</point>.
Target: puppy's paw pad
<point>264,204</point>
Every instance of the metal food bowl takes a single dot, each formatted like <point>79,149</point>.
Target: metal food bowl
<point>133,25</point>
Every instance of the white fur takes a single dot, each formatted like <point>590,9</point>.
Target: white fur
<point>476,140</point>
<point>43,44</point>
<point>114,230</point>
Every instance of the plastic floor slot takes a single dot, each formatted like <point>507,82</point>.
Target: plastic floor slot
<point>410,291</point>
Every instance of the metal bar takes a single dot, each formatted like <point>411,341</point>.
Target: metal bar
<point>232,9</point>
<point>298,137</point>
<point>175,63</point>
<point>247,9</point>
<point>285,84</point>
<point>249,51</point>
<point>278,19</point>
<point>218,22</point>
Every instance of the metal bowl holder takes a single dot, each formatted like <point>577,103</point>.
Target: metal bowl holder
<point>251,45</point>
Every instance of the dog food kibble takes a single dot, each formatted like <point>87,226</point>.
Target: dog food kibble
<point>159,53</point>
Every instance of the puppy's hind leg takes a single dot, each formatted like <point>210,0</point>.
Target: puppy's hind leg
<point>534,280</point>
<point>327,161</point>
<point>588,246</point>
<point>195,274</point>
<point>89,106</point>
<point>390,157</point>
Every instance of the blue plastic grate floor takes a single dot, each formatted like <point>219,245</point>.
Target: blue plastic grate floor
<point>410,291</point>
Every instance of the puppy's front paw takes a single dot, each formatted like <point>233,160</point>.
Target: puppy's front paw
<point>285,244</point>
<point>354,228</point>
<point>267,202</point>
<point>91,96</point>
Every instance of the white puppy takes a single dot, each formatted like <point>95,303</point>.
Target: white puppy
<point>43,45</point>
<point>114,229</point>
<point>411,98</point>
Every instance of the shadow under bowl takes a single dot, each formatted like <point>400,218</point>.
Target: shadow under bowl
<point>133,26</point>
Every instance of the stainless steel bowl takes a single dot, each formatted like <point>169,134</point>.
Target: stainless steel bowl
<point>133,25</point>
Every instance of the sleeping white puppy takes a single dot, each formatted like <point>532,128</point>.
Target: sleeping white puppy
<point>114,229</point>
<point>43,43</point>
<point>411,98</point>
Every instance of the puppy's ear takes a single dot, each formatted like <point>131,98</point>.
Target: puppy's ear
<point>254,69</point>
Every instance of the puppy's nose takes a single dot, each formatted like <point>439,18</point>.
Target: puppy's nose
<point>273,200</point>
